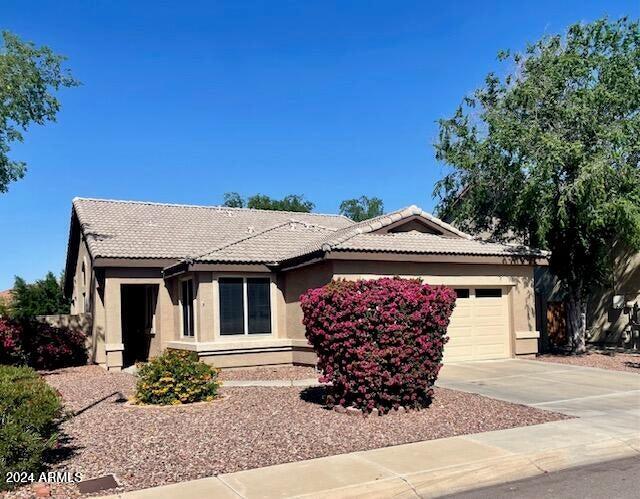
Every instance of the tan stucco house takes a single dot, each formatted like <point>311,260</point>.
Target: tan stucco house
<point>225,282</point>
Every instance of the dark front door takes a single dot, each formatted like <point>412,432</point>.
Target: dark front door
<point>138,310</point>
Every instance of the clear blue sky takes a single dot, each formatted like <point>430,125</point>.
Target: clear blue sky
<point>183,101</point>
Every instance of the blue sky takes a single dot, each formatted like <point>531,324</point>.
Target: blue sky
<point>183,101</point>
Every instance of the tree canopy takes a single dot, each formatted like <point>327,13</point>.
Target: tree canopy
<point>361,208</point>
<point>45,296</point>
<point>549,152</point>
<point>292,202</point>
<point>29,76</point>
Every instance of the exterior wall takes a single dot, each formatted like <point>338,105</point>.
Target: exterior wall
<point>607,324</point>
<point>83,283</point>
<point>298,281</point>
<point>287,343</point>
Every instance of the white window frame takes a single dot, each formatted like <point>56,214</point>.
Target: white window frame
<point>245,308</point>
<point>193,306</point>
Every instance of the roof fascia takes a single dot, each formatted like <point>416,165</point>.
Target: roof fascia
<point>439,257</point>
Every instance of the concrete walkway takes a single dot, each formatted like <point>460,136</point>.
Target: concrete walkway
<point>607,404</point>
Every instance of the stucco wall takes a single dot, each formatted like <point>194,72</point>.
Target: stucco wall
<point>83,285</point>
<point>605,323</point>
<point>285,293</point>
<point>296,282</point>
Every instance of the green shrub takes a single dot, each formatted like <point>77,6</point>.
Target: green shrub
<point>30,413</point>
<point>176,377</point>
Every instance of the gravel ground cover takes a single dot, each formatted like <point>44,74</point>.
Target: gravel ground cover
<point>268,373</point>
<point>246,428</point>
<point>617,361</point>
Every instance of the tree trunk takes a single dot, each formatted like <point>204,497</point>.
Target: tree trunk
<point>577,322</point>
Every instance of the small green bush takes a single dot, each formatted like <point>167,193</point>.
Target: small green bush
<point>30,413</point>
<point>176,377</point>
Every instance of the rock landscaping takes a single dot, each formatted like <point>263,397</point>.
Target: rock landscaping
<point>617,361</point>
<point>246,428</point>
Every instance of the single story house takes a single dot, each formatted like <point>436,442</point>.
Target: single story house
<point>225,282</point>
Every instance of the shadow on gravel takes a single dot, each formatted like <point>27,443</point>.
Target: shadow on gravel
<point>315,395</point>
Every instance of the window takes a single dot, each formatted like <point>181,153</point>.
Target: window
<point>186,301</point>
<point>245,305</point>
<point>462,292</point>
<point>488,293</point>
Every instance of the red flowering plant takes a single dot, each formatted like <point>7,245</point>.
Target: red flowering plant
<point>379,342</point>
<point>52,347</point>
<point>11,337</point>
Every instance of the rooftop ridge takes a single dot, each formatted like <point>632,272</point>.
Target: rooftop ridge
<point>260,233</point>
<point>211,207</point>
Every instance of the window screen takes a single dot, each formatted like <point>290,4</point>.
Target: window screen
<point>231,306</point>
<point>488,293</point>
<point>462,292</point>
<point>187,307</point>
<point>258,306</point>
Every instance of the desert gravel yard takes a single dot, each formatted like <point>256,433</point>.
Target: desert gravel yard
<point>268,373</point>
<point>246,428</point>
<point>629,362</point>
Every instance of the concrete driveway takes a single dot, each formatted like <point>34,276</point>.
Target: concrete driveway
<point>585,392</point>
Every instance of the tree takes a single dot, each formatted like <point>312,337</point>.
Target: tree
<point>28,77</point>
<point>292,202</point>
<point>362,208</point>
<point>233,200</point>
<point>550,153</point>
<point>43,297</point>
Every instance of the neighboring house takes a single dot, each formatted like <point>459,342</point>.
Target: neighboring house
<point>607,324</point>
<point>225,282</point>
<point>607,321</point>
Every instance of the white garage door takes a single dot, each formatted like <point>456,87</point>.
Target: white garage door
<point>479,327</point>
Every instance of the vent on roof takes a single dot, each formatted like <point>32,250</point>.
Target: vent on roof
<point>251,229</point>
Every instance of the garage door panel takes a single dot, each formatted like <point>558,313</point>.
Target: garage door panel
<point>479,329</point>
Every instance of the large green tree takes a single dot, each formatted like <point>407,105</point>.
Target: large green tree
<point>29,77</point>
<point>361,208</point>
<point>43,297</point>
<point>292,202</point>
<point>548,152</point>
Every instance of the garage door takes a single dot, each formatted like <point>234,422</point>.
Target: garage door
<point>479,327</point>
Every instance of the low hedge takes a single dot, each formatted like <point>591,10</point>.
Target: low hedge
<point>176,377</point>
<point>379,342</point>
<point>30,414</point>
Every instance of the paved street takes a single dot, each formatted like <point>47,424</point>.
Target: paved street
<point>613,479</point>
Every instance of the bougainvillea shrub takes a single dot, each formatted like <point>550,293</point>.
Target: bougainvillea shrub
<point>379,342</point>
<point>11,350</point>
<point>50,347</point>
<point>40,345</point>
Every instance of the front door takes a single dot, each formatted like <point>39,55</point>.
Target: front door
<point>138,313</point>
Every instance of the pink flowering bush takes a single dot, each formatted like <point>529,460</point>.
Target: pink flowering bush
<point>11,351</point>
<point>40,345</point>
<point>52,347</point>
<point>379,342</point>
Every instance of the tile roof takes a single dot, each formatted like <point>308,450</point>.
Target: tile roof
<point>208,234</point>
<point>418,242</point>
<point>131,229</point>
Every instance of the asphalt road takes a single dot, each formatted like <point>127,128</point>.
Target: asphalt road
<point>612,480</point>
